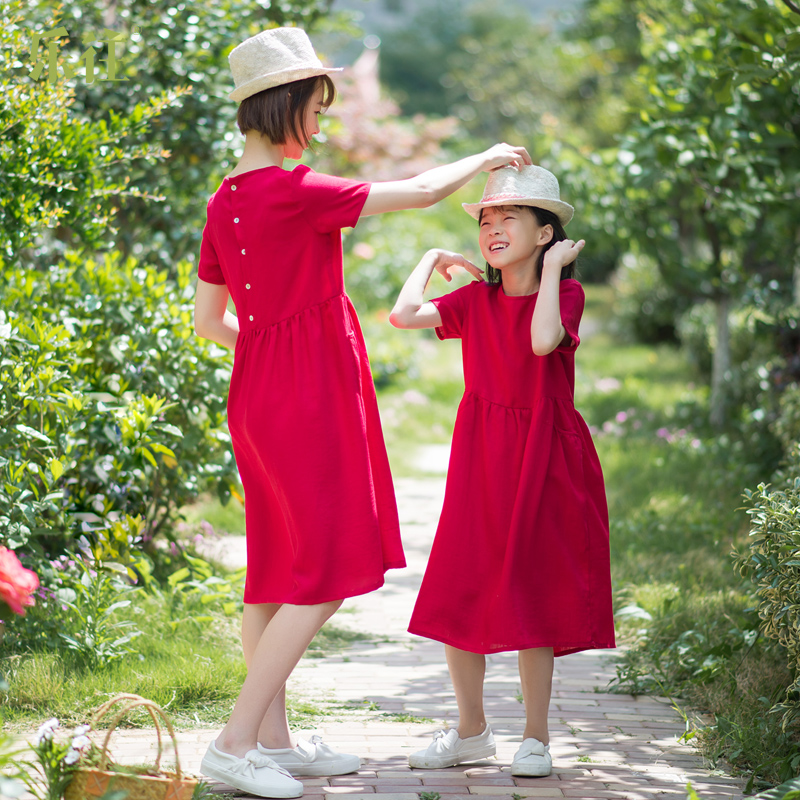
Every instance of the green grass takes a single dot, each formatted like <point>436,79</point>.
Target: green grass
<point>194,672</point>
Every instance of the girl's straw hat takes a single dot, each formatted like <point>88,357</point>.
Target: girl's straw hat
<point>526,186</point>
<point>272,58</point>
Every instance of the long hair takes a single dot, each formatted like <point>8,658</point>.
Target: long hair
<point>543,217</point>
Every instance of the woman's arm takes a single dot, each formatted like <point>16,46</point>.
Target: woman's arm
<point>410,310</point>
<point>547,330</point>
<point>212,320</point>
<point>432,186</point>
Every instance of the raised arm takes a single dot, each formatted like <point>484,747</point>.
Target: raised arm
<point>410,310</point>
<point>434,185</point>
<point>547,330</point>
<point>212,320</point>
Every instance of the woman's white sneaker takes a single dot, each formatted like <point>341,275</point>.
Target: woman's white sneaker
<point>255,773</point>
<point>312,759</point>
<point>532,760</point>
<point>448,749</point>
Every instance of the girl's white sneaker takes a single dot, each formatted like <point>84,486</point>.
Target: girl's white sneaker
<point>448,749</point>
<point>532,760</point>
<point>313,759</point>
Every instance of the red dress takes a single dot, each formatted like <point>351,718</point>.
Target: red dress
<point>320,509</point>
<point>521,555</point>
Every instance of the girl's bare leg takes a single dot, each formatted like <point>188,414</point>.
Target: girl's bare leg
<point>536,675</point>
<point>274,730</point>
<point>280,646</point>
<point>467,671</point>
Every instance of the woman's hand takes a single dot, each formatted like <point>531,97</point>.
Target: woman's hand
<point>563,253</point>
<point>505,155</point>
<point>444,259</point>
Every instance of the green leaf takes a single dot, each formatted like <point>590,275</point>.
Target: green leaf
<point>56,469</point>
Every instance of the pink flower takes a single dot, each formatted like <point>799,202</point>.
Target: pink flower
<point>17,584</point>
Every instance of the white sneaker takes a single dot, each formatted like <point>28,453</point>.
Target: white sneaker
<point>449,749</point>
<point>532,759</point>
<point>312,758</point>
<point>255,773</point>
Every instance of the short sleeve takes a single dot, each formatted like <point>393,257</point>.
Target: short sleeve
<point>208,268</point>
<point>328,203</point>
<point>452,309</point>
<point>571,300</point>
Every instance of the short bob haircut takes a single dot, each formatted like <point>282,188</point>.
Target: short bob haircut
<point>543,217</point>
<point>278,113</point>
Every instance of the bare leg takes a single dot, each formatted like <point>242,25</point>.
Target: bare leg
<point>536,675</point>
<point>467,671</point>
<point>274,731</point>
<point>281,645</point>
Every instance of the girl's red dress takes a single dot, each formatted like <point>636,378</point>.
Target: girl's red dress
<point>521,555</point>
<point>320,509</point>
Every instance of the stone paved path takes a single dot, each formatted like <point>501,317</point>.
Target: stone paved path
<point>604,745</point>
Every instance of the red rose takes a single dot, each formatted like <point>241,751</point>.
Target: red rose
<point>17,584</point>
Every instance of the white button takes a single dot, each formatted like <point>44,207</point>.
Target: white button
<point>233,187</point>
<point>236,219</point>
<point>243,251</point>
<point>251,318</point>
<point>247,286</point>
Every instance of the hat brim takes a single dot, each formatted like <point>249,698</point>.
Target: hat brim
<point>564,211</point>
<point>273,79</point>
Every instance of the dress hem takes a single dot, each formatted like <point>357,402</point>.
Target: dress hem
<point>560,650</point>
<point>326,599</point>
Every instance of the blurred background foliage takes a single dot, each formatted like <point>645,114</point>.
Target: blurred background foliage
<point>673,127</point>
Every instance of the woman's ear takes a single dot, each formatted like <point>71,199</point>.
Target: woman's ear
<point>545,234</point>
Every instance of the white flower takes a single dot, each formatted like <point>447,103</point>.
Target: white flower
<point>80,742</point>
<point>81,730</point>
<point>72,756</point>
<point>45,732</point>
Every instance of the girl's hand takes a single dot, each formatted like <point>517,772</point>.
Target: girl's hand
<point>563,253</point>
<point>504,155</point>
<point>444,259</point>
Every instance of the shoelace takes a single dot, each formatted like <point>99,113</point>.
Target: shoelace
<point>253,760</point>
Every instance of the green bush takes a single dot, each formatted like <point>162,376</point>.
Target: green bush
<point>646,308</point>
<point>772,563</point>
<point>110,405</point>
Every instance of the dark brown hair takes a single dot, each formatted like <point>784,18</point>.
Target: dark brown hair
<point>278,113</point>
<point>543,217</point>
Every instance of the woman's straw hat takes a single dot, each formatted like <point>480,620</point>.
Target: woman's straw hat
<point>526,186</point>
<point>272,58</point>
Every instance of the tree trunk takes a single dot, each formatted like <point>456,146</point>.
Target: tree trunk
<point>796,271</point>
<point>721,364</point>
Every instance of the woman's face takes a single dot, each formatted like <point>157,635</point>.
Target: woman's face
<point>294,150</point>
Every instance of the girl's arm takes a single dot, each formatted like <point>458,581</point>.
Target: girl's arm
<point>547,331</point>
<point>410,310</point>
<point>432,186</point>
<point>212,320</point>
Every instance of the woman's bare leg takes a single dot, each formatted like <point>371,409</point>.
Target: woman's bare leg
<point>274,730</point>
<point>467,671</point>
<point>536,675</point>
<point>280,646</point>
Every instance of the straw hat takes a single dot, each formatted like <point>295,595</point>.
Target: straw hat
<point>526,186</point>
<point>272,58</point>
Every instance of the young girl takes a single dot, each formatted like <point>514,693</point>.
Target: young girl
<point>520,560</point>
<point>320,510</point>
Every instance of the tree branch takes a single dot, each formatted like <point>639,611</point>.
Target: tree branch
<point>792,5</point>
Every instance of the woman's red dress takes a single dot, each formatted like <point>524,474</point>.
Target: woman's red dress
<point>320,510</point>
<point>521,555</point>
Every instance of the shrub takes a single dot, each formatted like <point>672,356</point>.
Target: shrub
<point>110,405</point>
<point>772,563</point>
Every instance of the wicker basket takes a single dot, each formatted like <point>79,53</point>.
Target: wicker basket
<point>91,782</point>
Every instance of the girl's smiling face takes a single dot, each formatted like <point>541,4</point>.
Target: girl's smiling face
<point>294,149</point>
<point>510,236</point>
